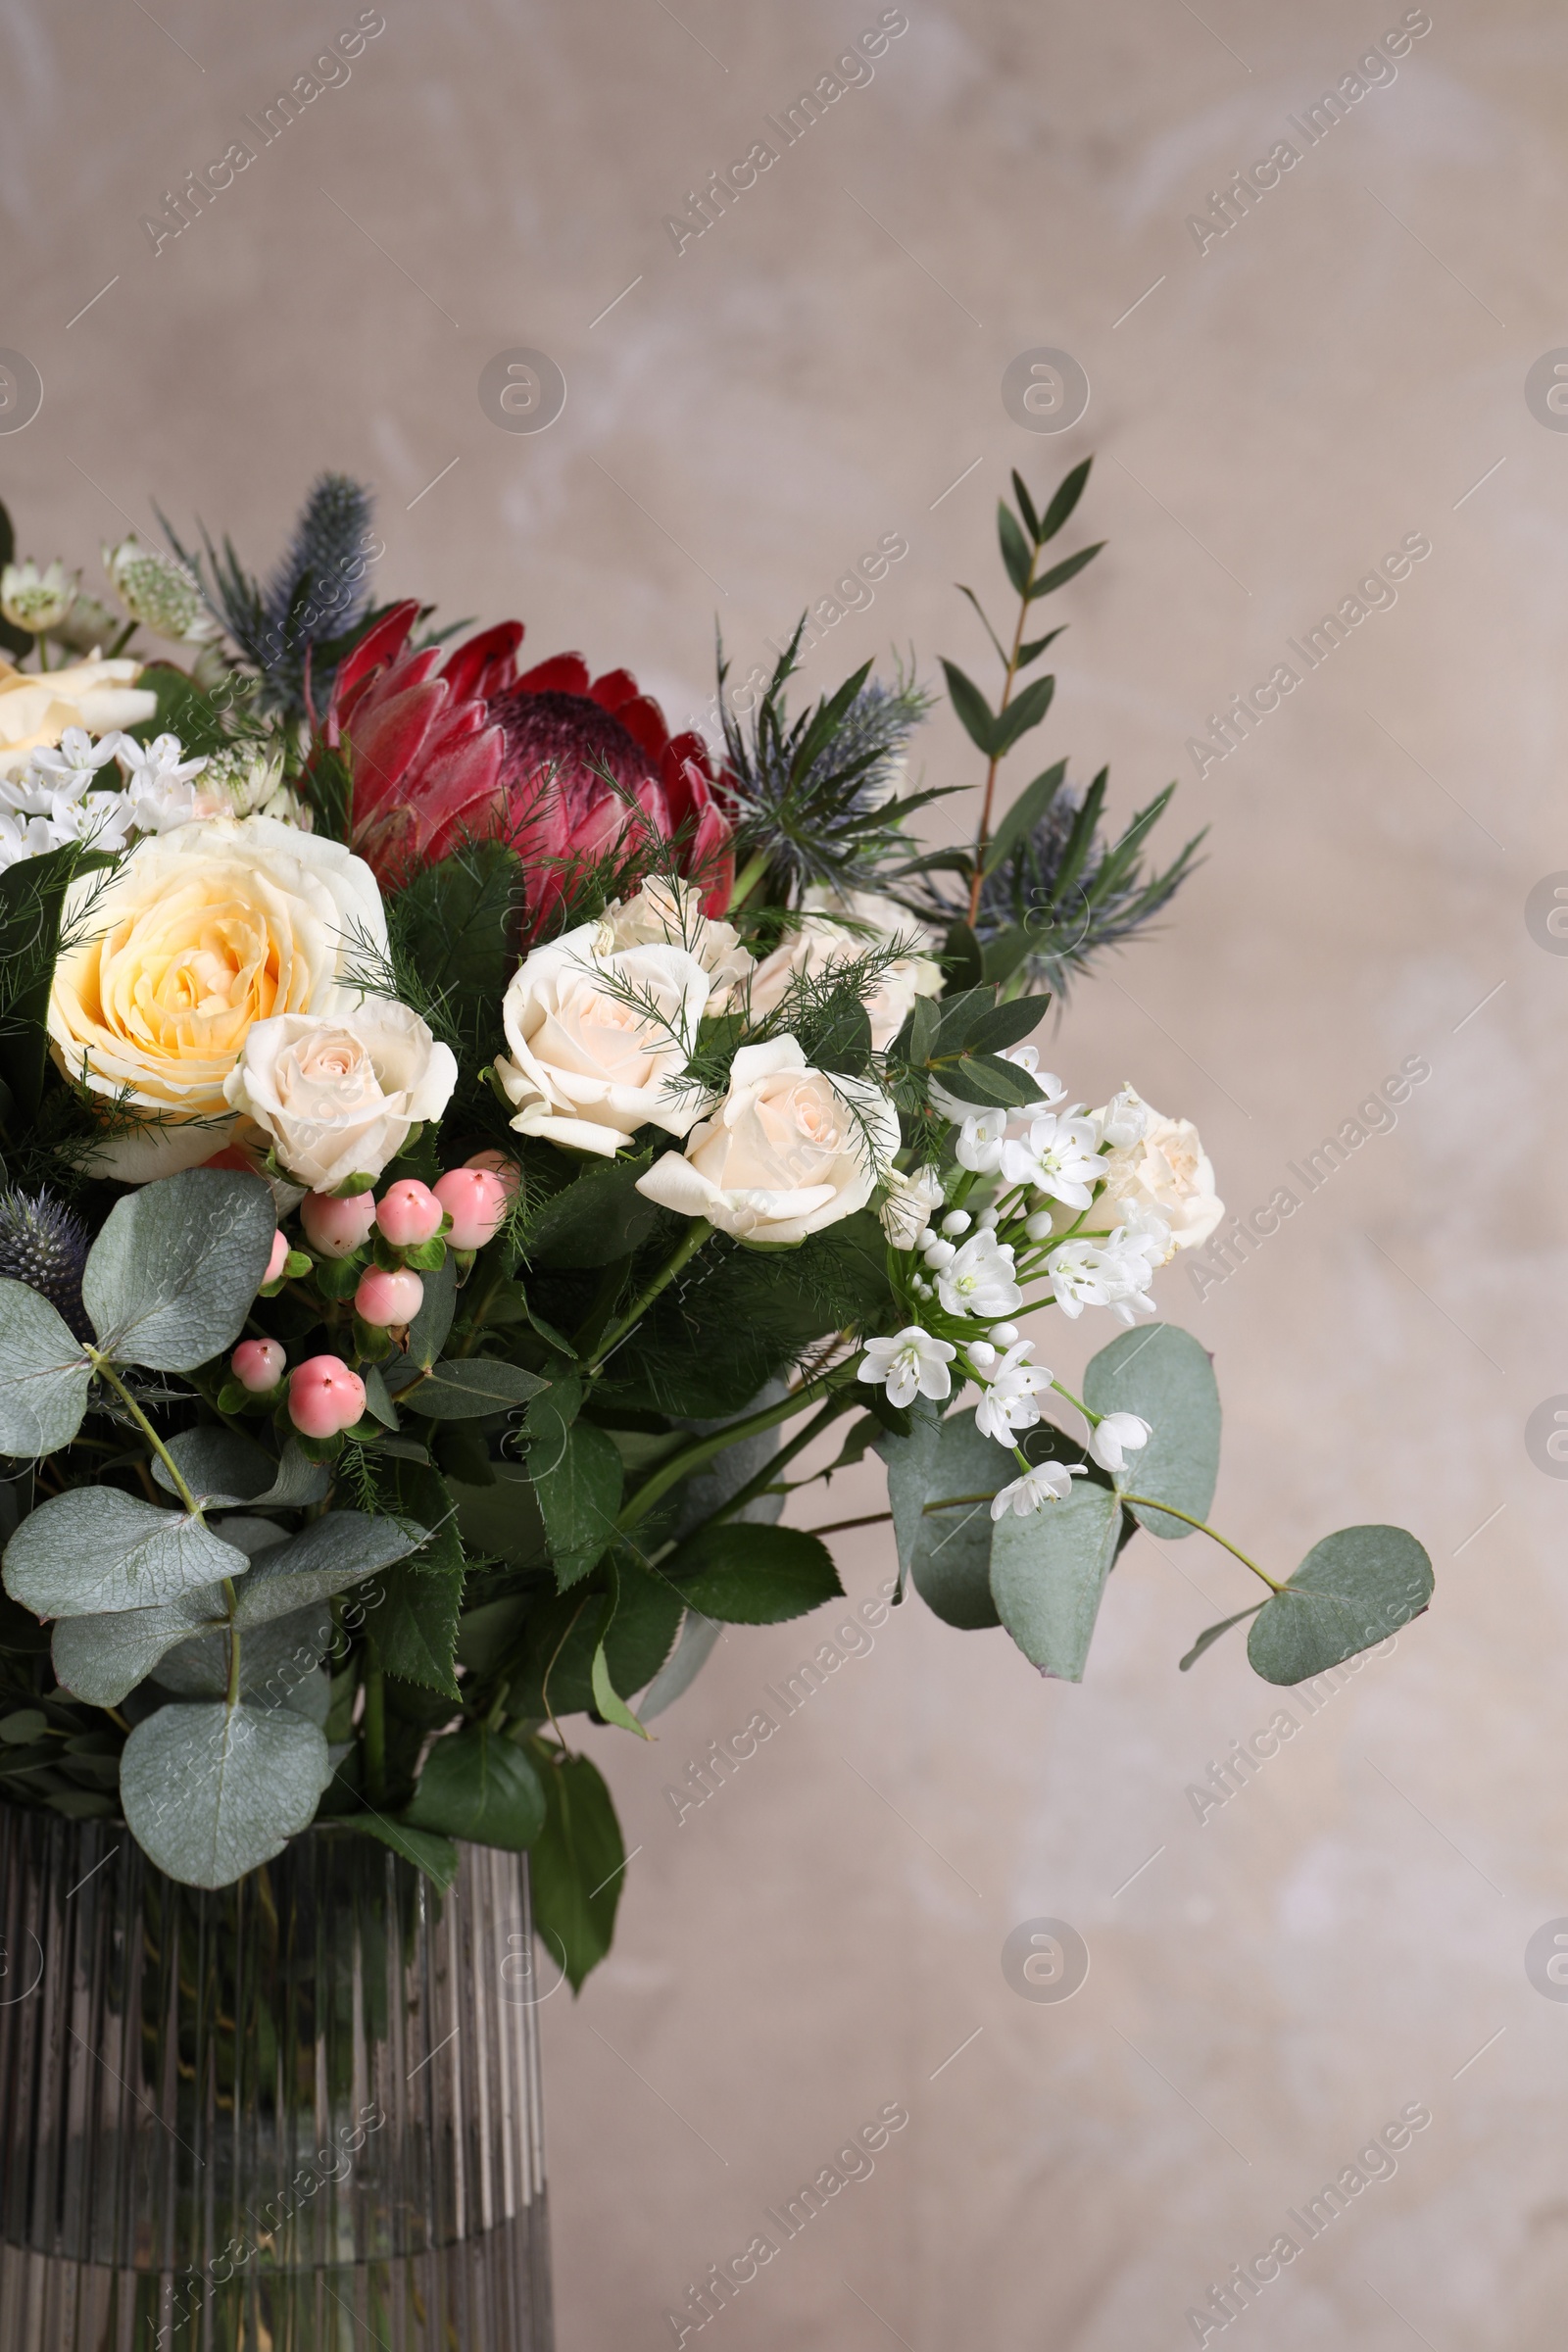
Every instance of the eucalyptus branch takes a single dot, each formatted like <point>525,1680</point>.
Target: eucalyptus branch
<point>670,1472</point>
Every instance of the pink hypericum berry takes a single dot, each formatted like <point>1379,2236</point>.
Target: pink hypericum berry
<point>383,1299</point>
<point>476,1200</point>
<point>499,1164</point>
<point>338,1227</point>
<point>409,1213</point>
<point>279,1258</point>
<point>324,1396</point>
<point>258,1365</point>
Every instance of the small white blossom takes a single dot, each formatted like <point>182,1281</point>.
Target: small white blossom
<point>1048,1482</point>
<point>979,1281</point>
<point>908,1365</point>
<point>1008,1403</point>
<point>910,1201</point>
<point>1124,1119</point>
<point>1115,1437</point>
<point>159,782</point>
<point>76,760</point>
<point>1058,1156</point>
<point>980,1138</point>
<point>52,803</point>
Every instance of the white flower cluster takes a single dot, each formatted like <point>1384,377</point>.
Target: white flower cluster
<point>1086,1205</point>
<point>60,795</point>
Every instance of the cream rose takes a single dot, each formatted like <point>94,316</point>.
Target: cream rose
<point>664,913</point>
<point>200,934</point>
<point>1165,1170</point>
<point>336,1096</point>
<point>36,709</point>
<point>599,1037</point>
<point>787,1151</point>
<point>835,929</point>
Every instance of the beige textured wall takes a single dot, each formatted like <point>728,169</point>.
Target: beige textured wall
<point>1338,371</point>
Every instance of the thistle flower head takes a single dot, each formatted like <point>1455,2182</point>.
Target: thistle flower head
<point>45,1246</point>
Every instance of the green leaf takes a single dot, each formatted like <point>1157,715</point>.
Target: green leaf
<point>612,1706</point>
<point>744,1574</point>
<point>325,1558</point>
<point>1351,1590</point>
<point>428,1330</point>
<point>987,1079</point>
<point>223,1468</point>
<point>1067,569</point>
<point>1048,1572</point>
<point>1162,1374</point>
<point>182,710</point>
<point>467,1387</point>
<point>577,1867</point>
<point>478,1784</point>
<point>44,1375</point>
<point>412,1616</point>
<point>924,1018</point>
<point>1069,490</point>
<point>1005,1025</point>
<point>600,1215</point>
<point>960,1011</point>
<point>1026,508</point>
<point>577,1479</point>
<point>1025,711</point>
<point>975,712</point>
<point>961,956</point>
<point>1211,1634</point>
<point>1004,955</point>
<point>1036,647</point>
<point>1015,550</point>
<point>423,1494</point>
<point>1024,814</point>
<point>94,1548</point>
<point>949,1559</point>
<point>102,1659</point>
<point>501,1519</point>
<point>437,1857</point>
<point>33,895</point>
<point>453,924</point>
<point>212,1791</point>
<point>174,1272</point>
<point>278,1662</point>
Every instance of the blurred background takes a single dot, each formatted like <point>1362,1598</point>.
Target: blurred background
<point>1365,357</point>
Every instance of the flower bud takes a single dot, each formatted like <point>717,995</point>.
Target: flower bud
<point>476,1200</point>
<point>938,1255</point>
<point>258,1365</point>
<point>956,1220</point>
<point>324,1396</point>
<point>384,1299</point>
<point>409,1213</point>
<point>279,1258</point>
<point>1005,1334</point>
<point>337,1228</point>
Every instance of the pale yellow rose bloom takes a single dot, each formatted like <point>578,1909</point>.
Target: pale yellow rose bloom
<point>202,933</point>
<point>37,710</point>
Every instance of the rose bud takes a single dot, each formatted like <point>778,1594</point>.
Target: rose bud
<point>384,1299</point>
<point>258,1365</point>
<point>409,1213</point>
<point>279,1258</point>
<point>324,1396</point>
<point>476,1200</point>
<point>337,1228</point>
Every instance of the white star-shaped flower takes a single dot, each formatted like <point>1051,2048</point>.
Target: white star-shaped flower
<point>908,1365</point>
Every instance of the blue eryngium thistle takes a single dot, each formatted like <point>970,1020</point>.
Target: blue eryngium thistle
<point>1061,891</point>
<point>43,1245</point>
<point>815,797</point>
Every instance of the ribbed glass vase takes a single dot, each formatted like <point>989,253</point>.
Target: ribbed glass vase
<point>300,2114</point>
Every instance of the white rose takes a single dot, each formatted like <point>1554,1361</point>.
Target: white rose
<point>336,1096</point>
<point>199,935</point>
<point>1165,1170</point>
<point>910,1202</point>
<point>836,929</point>
<point>37,710</point>
<point>788,1151</point>
<point>599,1037</point>
<point>664,913</point>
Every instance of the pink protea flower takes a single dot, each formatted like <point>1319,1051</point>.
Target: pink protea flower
<point>447,746</point>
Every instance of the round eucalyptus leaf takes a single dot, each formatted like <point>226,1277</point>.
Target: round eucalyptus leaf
<point>1351,1591</point>
<point>325,1558</point>
<point>1048,1572</point>
<point>44,1375</point>
<point>224,1468</point>
<point>174,1273</point>
<point>950,1559</point>
<point>95,1548</point>
<point>103,1658</point>
<point>1162,1374</point>
<point>211,1792</point>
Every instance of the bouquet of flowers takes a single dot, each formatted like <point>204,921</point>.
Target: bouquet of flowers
<point>463,1144</point>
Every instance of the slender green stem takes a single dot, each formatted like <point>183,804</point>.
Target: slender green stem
<point>122,640</point>
<point>670,1472</point>
<point>1093,1418</point>
<point>1151,1504</point>
<point>983,837</point>
<point>746,881</point>
<point>699,1232</point>
<point>835,1405</point>
<point>481,1307</point>
<point>375,1734</point>
<point>101,1366</point>
<point>233,1655</point>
